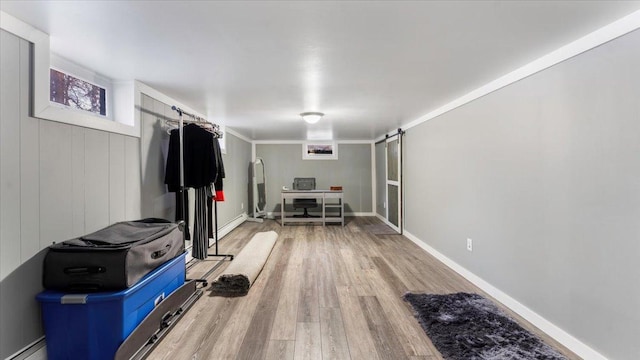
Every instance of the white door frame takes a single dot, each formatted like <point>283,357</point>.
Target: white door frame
<point>397,183</point>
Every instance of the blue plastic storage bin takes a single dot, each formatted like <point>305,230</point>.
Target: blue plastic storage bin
<point>92,326</point>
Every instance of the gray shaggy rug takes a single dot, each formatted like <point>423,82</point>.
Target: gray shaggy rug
<point>469,327</point>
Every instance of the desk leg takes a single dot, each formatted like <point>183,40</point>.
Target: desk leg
<point>323,210</point>
<point>282,214</point>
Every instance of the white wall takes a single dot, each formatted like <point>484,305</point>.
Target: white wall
<point>57,181</point>
<point>544,176</point>
<point>236,183</point>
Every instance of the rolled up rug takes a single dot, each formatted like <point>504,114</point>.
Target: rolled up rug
<point>238,277</point>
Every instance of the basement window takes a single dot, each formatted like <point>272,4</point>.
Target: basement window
<point>121,119</point>
<point>74,93</point>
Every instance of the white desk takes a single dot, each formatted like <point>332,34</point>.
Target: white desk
<point>322,196</point>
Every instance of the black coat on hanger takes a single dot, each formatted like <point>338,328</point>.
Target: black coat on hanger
<point>200,162</point>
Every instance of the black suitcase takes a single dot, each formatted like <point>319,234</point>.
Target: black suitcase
<point>113,258</point>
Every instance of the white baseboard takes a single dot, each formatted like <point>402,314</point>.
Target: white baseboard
<point>566,339</point>
<point>383,219</point>
<point>359,214</point>
<point>224,230</point>
<point>276,215</point>
<point>37,350</point>
<point>227,228</point>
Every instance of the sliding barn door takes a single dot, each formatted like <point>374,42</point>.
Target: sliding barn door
<point>394,182</point>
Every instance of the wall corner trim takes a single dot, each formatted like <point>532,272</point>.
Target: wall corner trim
<point>566,339</point>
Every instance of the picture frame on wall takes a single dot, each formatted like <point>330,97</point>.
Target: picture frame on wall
<point>320,150</point>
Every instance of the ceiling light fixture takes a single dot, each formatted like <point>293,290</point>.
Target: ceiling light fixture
<point>311,117</point>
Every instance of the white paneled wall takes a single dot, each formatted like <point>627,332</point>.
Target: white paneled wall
<point>157,201</point>
<point>116,177</point>
<point>96,185</point>
<point>57,181</point>
<point>9,146</point>
<point>77,180</point>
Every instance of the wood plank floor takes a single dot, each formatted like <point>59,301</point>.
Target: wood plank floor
<point>325,293</point>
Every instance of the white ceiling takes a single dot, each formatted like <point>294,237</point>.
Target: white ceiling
<point>369,66</point>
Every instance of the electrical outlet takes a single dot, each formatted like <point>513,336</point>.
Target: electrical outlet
<point>469,244</point>
<point>241,206</point>
<point>384,205</point>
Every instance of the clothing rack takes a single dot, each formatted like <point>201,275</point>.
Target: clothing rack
<point>198,120</point>
<point>211,127</point>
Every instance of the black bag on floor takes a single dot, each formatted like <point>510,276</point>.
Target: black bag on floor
<point>113,258</point>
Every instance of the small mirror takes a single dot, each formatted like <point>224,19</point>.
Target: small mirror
<point>259,189</point>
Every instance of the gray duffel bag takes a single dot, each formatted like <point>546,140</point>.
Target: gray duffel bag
<point>113,258</point>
